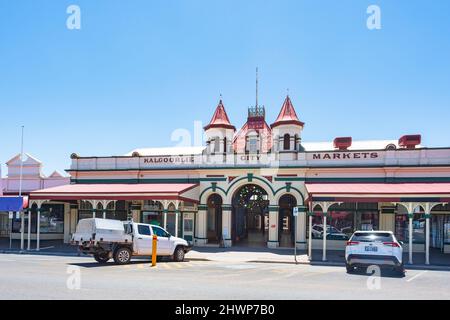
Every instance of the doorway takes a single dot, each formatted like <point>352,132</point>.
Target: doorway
<point>286,221</point>
<point>214,219</point>
<point>250,216</point>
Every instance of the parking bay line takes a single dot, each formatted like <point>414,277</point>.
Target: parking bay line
<point>416,276</point>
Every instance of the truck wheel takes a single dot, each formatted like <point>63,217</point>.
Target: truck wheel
<point>178,254</point>
<point>349,268</point>
<point>122,255</point>
<point>101,257</point>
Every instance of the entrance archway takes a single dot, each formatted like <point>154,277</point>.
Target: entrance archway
<point>250,216</point>
<point>286,221</point>
<point>214,219</point>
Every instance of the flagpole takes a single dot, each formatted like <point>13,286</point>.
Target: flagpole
<point>22,228</point>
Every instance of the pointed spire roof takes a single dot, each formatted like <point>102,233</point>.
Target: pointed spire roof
<point>220,118</point>
<point>287,115</point>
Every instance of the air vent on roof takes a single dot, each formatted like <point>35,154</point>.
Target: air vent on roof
<point>343,143</point>
<point>135,154</point>
<point>391,146</point>
<point>410,141</point>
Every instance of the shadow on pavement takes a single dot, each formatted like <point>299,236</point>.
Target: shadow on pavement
<point>384,273</point>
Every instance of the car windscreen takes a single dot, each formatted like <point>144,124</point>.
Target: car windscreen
<point>375,236</point>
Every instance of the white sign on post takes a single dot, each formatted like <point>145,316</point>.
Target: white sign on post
<point>11,215</point>
<point>295,211</point>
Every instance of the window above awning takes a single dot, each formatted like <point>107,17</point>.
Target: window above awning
<point>13,203</point>
<point>157,191</point>
<point>367,192</point>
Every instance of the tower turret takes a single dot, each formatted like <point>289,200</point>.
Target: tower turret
<point>219,132</point>
<point>287,128</point>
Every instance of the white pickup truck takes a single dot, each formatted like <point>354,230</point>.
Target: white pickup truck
<point>120,240</point>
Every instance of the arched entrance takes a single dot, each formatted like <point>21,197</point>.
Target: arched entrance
<point>250,216</point>
<point>286,221</point>
<point>214,219</point>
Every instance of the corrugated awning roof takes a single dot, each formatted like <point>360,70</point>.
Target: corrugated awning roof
<point>144,191</point>
<point>440,192</point>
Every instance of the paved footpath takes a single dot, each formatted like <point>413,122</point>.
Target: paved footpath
<point>56,277</point>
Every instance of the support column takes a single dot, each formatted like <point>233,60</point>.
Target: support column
<point>38,229</point>
<point>29,230</point>
<point>273,227</point>
<point>427,238</point>
<point>324,240</point>
<point>410,237</point>
<point>177,216</point>
<point>22,229</point>
<point>226,225</point>
<point>310,219</point>
<point>300,228</point>
<point>73,218</point>
<point>165,219</point>
<point>200,229</point>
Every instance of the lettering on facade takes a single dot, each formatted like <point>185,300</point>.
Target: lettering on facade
<point>345,155</point>
<point>169,160</point>
<point>250,158</point>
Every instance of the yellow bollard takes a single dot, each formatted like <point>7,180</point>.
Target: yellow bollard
<point>154,244</point>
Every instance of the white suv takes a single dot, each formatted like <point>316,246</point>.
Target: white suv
<point>379,248</point>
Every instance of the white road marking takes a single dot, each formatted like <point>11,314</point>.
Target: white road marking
<point>416,276</point>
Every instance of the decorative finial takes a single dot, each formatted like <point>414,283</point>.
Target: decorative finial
<point>287,92</point>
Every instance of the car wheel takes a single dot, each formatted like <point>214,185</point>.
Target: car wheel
<point>400,270</point>
<point>122,256</point>
<point>178,255</point>
<point>101,257</point>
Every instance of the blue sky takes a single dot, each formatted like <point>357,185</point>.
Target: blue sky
<point>137,70</point>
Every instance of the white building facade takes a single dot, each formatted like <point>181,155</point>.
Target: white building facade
<point>242,187</point>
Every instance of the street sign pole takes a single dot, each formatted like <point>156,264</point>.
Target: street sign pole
<point>295,213</point>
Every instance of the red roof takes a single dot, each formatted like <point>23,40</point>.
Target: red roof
<point>119,191</point>
<point>264,133</point>
<point>220,119</point>
<point>287,115</point>
<point>387,190</point>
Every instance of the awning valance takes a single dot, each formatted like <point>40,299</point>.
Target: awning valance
<point>366,192</point>
<point>157,191</point>
<point>13,203</point>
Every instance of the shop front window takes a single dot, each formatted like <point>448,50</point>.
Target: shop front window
<point>340,225</point>
<point>447,230</point>
<point>52,218</point>
<point>344,219</point>
<point>85,211</point>
<point>117,210</point>
<point>152,213</point>
<point>402,227</point>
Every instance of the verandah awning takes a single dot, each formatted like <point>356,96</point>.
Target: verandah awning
<point>379,192</point>
<point>157,191</point>
<point>13,203</point>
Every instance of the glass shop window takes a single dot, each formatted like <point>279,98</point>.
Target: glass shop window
<point>402,227</point>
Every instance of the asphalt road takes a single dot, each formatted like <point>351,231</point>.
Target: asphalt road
<point>50,277</point>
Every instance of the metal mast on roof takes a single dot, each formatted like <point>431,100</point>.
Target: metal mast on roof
<point>21,165</point>
<point>256,88</point>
